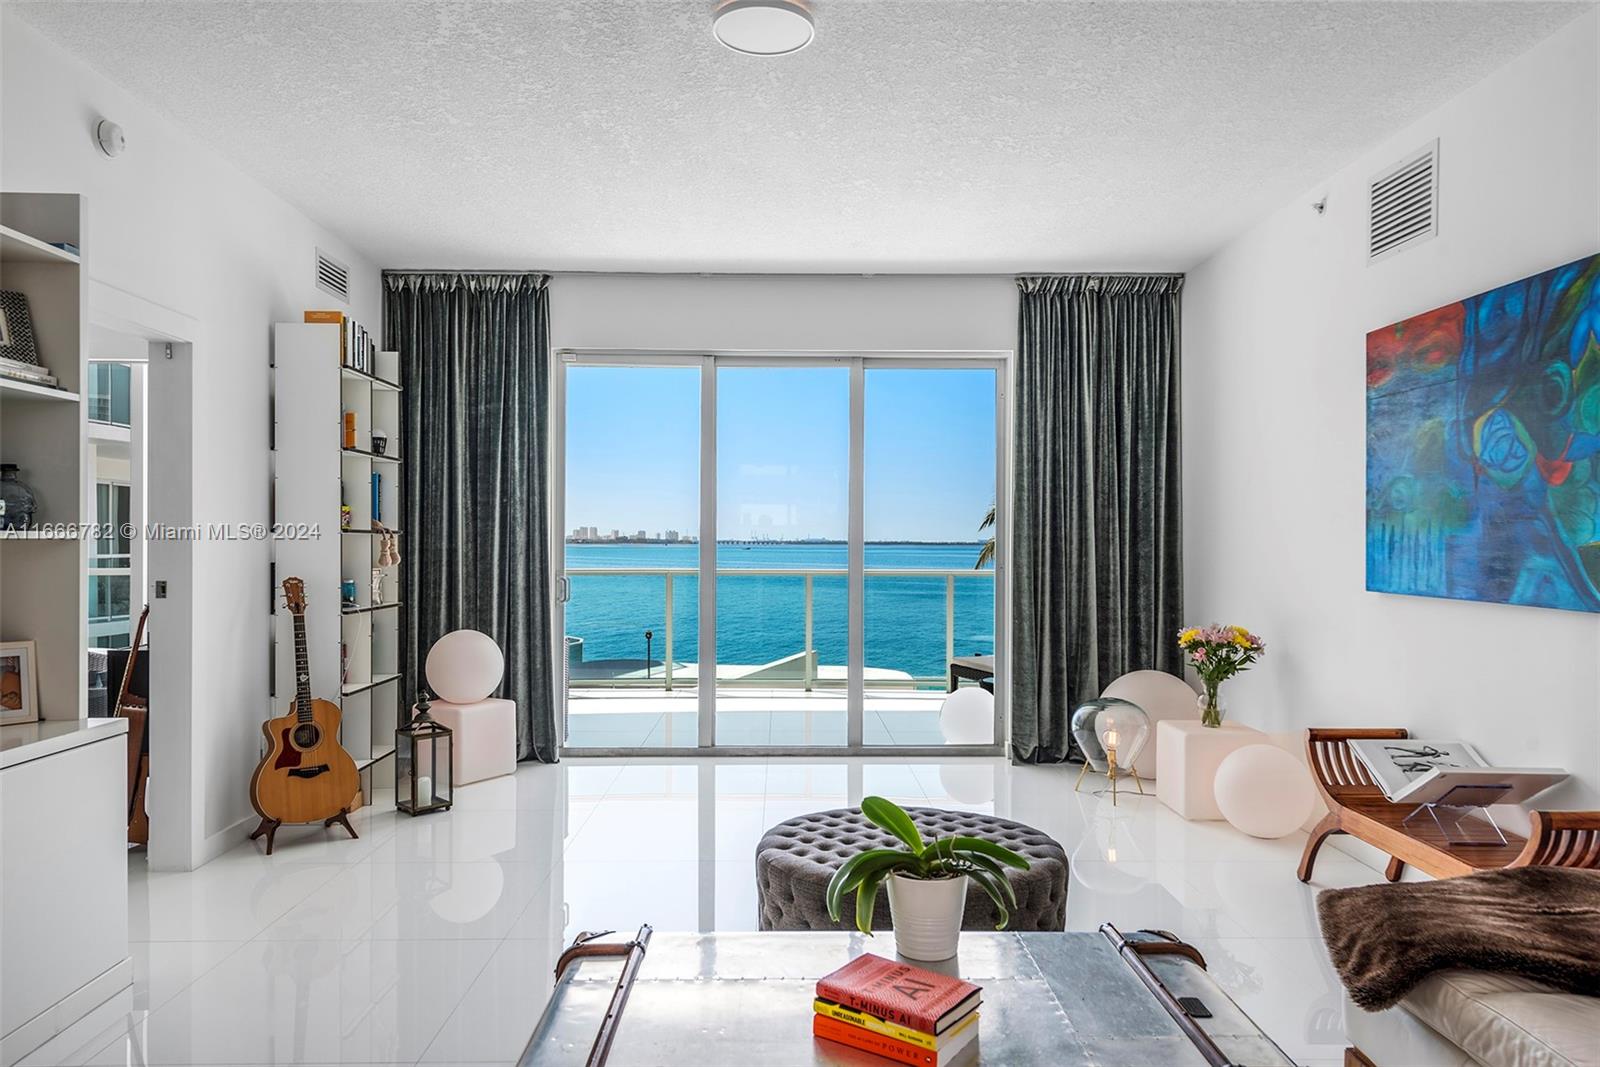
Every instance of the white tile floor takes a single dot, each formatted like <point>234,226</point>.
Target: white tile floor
<point>432,940</point>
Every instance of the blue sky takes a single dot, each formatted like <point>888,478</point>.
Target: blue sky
<point>633,448</point>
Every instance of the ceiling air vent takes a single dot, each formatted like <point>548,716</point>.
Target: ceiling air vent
<point>333,276</point>
<point>1404,203</point>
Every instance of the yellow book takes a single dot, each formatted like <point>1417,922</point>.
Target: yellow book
<point>888,1029</point>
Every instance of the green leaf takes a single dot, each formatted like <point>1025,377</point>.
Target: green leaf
<point>891,817</point>
<point>856,868</point>
<point>937,856</point>
<point>999,873</point>
<point>992,850</point>
<point>867,900</point>
<point>986,882</point>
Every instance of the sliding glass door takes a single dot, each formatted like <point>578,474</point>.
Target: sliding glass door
<point>632,496</point>
<point>779,554</point>
<point>930,469</point>
<point>783,505</point>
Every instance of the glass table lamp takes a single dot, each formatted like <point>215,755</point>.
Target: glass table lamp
<point>1111,733</point>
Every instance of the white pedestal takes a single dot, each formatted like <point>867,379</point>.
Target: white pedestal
<point>1187,757</point>
<point>485,741</point>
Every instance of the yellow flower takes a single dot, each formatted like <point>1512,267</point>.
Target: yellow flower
<point>1241,639</point>
<point>1188,636</point>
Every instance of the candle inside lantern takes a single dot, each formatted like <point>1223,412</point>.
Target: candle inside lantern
<point>424,789</point>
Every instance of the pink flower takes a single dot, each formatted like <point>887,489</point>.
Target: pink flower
<point>1198,656</point>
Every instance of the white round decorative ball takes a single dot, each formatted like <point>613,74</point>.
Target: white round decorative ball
<point>1264,791</point>
<point>464,667</point>
<point>967,717</point>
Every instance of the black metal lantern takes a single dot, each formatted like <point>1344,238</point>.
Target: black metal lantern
<point>422,754</point>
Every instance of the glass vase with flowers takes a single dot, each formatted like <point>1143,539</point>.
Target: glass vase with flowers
<point>1217,653</point>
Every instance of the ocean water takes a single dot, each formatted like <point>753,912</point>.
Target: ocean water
<point>761,618</point>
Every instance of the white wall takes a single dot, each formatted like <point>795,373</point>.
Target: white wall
<point>173,223</point>
<point>793,312</point>
<point>1274,433</point>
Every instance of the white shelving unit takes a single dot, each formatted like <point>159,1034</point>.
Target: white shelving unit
<point>43,573</point>
<point>314,474</point>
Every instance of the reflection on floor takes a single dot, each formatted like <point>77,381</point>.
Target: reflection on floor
<point>432,939</point>
<point>621,718</point>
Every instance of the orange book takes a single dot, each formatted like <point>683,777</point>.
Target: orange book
<point>887,1047</point>
<point>334,318</point>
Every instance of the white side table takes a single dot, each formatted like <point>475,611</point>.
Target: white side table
<point>1187,757</point>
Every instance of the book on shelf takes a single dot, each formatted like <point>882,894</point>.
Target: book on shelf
<point>900,993</point>
<point>1420,771</point>
<point>26,372</point>
<point>963,1040</point>
<point>358,349</point>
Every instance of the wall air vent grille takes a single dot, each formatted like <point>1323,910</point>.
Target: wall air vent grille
<point>1403,204</point>
<point>333,276</point>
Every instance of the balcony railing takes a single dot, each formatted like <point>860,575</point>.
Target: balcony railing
<point>806,675</point>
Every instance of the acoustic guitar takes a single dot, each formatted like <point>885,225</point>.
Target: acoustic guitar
<point>306,776</point>
<point>136,710</point>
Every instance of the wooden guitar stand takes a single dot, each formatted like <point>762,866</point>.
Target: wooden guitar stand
<point>270,827</point>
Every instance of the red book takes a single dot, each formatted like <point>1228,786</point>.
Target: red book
<point>887,1047</point>
<point>900,993</point>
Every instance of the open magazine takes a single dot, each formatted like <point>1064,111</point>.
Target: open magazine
<point>1422,771</point>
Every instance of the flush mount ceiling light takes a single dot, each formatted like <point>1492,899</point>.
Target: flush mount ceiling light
<point>763,27</point>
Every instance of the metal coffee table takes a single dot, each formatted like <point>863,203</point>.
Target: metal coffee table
<point>1052,999</point>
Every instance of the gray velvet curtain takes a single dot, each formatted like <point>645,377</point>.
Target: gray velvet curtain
<point>1097,530</point>
<point>475,548</point>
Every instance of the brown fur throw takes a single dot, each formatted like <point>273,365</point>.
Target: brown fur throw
<point>1537,922</point>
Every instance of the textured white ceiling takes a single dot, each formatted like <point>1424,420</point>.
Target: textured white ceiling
<point>914,135</point>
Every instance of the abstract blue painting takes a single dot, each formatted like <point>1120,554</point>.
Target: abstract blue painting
<point>1483,446</point>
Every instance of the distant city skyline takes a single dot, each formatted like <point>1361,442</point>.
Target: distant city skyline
<point>633,454</point>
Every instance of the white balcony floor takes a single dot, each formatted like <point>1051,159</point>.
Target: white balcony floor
<point>628,719</point>
<point>432,940</point>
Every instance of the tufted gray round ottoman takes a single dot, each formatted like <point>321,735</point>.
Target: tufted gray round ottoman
<point>797,857</point>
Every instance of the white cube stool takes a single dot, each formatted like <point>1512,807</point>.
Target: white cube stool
<point>1187,758</point>
<point>485,741</point>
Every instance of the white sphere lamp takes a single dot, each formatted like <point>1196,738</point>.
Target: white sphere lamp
<point>967,717</point>
<point>1264,791</point>
<point>464,667</point>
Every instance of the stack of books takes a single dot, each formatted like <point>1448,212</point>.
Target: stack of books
<point>26,372</point>
<point>358,349</point>
<point>900,1012</point>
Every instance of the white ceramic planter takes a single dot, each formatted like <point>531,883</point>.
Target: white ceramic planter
<point>927,915</point>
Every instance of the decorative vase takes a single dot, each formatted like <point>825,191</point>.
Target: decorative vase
<point>927,915</point>
<point>17,501</point>
<point>1211,710</point>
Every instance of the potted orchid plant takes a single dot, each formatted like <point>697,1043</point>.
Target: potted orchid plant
<point>1217,653</point>
<point>927,880</point>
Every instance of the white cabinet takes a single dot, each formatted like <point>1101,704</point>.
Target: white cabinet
<point>63,876</point>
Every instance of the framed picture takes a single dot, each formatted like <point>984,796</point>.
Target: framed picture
<point>16,329</point>
<point>19,683</point>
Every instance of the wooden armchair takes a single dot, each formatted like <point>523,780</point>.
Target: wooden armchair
<point>1356,806</point>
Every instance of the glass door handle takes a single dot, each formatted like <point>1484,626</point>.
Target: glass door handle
<point>563,589</point>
